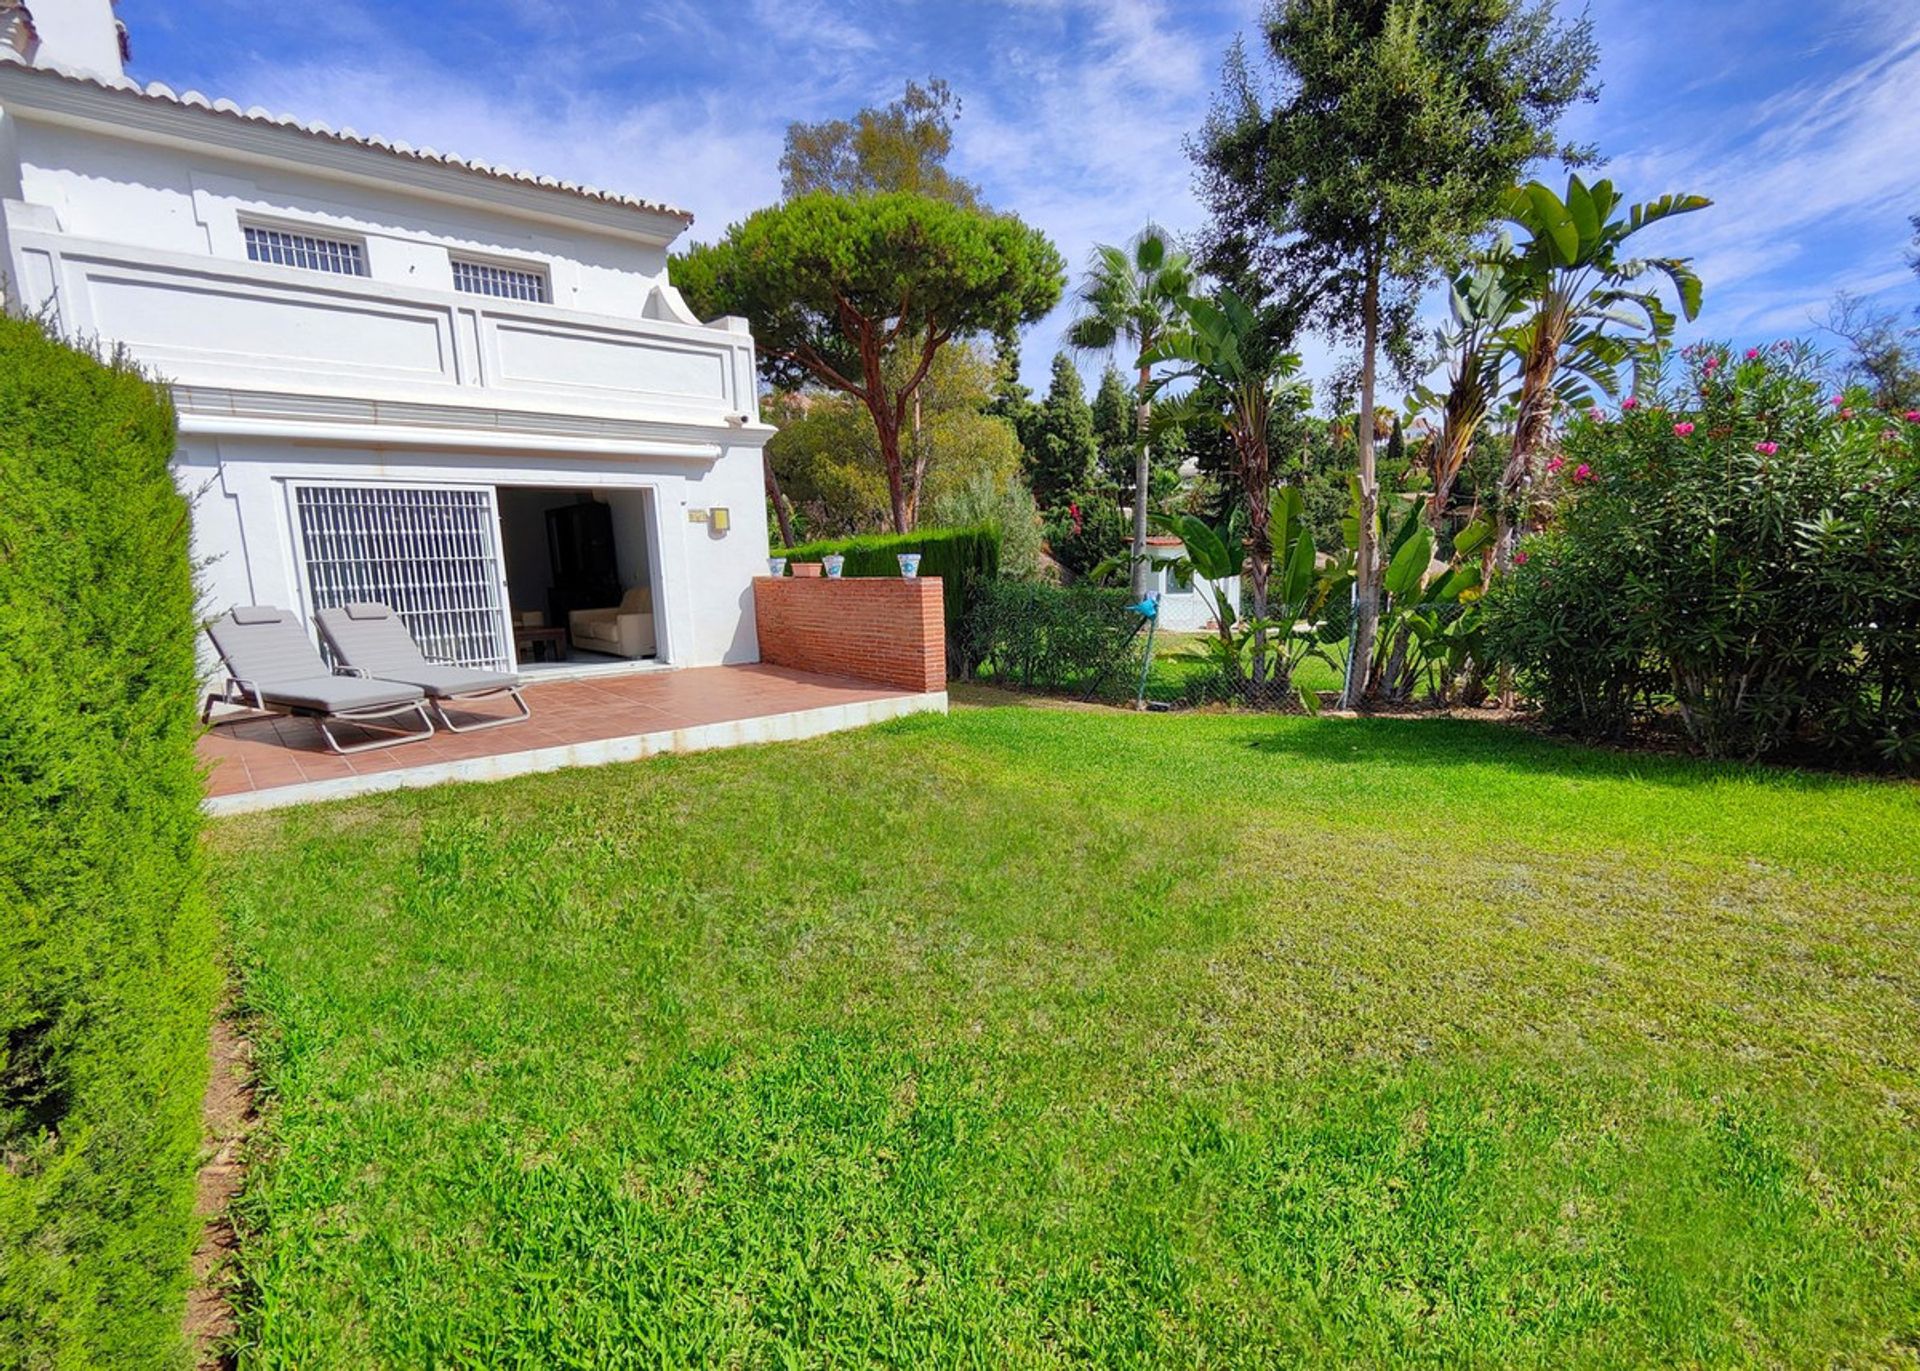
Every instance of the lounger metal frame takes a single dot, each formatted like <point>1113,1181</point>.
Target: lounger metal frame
<point>439,703</point>
<point>238,690</point>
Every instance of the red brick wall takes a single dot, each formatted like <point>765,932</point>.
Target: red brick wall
<point>884,629</point>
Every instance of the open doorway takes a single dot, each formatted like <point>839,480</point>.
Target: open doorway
<point>580,577</point>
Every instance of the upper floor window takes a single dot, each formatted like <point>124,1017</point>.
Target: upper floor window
<point>508,283</point>
<point>282,248</point>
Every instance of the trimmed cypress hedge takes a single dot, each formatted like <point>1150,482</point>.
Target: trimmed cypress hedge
<point>963,558</point>
<point>107,972</point>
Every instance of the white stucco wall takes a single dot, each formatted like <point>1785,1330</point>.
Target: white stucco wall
<point>79,34</point>
<point>244,527</point>
<point>194,202</point>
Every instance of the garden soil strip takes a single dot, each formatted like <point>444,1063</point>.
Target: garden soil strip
<point>227,1116</point>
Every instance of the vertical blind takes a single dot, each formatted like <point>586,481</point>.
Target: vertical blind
<point>433,556</point>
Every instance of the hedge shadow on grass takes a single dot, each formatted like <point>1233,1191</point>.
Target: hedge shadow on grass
<point>1511,747</point>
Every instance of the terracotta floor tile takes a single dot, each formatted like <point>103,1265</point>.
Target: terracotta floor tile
<point>267,753</point>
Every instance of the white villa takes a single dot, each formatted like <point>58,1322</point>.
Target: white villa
<point>401,375</point>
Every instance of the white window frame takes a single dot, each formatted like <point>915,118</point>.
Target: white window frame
<point>315,233</point>
<point>537,271</point>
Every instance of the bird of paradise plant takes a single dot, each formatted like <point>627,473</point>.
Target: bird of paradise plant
<point>1589,309</point>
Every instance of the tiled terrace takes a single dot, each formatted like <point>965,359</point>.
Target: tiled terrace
<point>264,763</point>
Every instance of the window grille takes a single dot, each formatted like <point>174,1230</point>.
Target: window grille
<point>508,283</point>
<point>341,256</point>
<point>433,556</point>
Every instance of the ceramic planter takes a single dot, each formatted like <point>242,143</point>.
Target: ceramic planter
<point>909,564</point>
<point>806,569</point>
<point>776,566</point>
<point>834,563</point>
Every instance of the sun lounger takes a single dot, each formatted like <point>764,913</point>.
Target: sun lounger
<point>272,665</point>
<point>373,639</point>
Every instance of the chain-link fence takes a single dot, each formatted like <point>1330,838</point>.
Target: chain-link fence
<point>1087,642</point>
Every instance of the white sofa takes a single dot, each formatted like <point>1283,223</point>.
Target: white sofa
<point>624,630</point>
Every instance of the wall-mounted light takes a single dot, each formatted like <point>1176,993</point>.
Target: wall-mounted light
<point>719,520</point>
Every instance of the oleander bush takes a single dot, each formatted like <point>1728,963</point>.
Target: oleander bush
<point>1743,550</point>
<point>107,972</point>
<point>963,558</point>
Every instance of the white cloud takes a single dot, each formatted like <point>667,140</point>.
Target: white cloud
<point>1086,142</point>
<point>1811,185</point>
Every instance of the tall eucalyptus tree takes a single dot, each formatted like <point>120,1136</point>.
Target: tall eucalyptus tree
<point>1385,140</point>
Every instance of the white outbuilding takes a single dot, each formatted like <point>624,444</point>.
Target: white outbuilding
<point>1187,604</point>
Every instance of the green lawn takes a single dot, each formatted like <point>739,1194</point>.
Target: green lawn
<point>1029,1036</point>
<point>1175,663</point>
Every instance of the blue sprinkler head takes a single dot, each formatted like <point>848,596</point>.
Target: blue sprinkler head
<point>1148,608</point>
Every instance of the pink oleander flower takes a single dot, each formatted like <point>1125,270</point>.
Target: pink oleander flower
<point>1837,401</point>
<point>1846,414</point>
<point>1597,415</point>
<point>1684,430</point>
<point>1711,364</point>
<point>1753,354</point>
<point>1555,465</point>
<point>1519,559</point>
<point>1582,474</point>
<point>1766,449</point>
<point>1631,402</point>
<point>1889,435</point>
<point>1912,416</point>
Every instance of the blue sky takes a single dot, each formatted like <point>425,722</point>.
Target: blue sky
<point>1797,116</point>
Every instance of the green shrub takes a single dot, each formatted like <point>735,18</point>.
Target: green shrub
<point>1032,635</point>
<point>1556,619</point>
<point>1748,546</point>
<point>107,974</point>
<point>1004,503</point>
<point>963,558</point>
<point>1087,531</point>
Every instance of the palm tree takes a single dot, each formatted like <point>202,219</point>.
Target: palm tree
<point>1482,303</point>
<point>1576,284</point>
<point>1134,295</point>
<point>1239,377</point>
